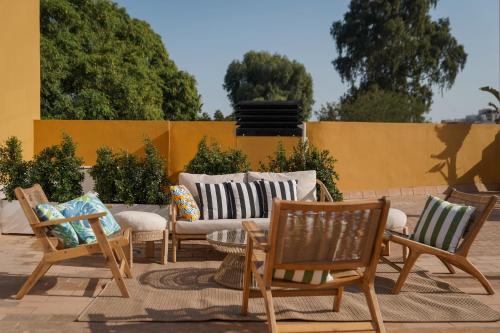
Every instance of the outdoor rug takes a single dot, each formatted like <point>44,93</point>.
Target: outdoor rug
<point>187,292</point>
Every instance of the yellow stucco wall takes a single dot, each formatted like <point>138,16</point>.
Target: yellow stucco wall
<point>381,155</point>
<point>258,148</point>
<point>19,70</point>
<point>370,155</point>
<point>127,135</point>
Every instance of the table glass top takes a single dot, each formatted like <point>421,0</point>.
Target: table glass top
<point>237,237</point>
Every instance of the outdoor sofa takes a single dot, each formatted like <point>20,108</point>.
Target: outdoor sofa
<point>307,186</point>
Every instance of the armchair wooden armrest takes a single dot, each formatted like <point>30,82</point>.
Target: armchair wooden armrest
<point>89,217</point>
<point>324,195</point>
<point>256,234</point>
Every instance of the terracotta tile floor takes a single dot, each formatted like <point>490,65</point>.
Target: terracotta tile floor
<point>67,289</point>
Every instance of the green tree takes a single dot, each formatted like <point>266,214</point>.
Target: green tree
<point>395,45</point>
<point>328,111</point>
<point>375,105</point>
<point>219,116</point>
<point>99,63</point>
<point>265,76</point>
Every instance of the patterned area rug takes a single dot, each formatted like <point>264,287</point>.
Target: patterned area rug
<point>187,292</point>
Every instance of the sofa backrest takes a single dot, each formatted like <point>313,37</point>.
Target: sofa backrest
<point>306,181</point>
<point>190,179</point>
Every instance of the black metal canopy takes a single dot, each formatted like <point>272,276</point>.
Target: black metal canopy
<point>268,118</point>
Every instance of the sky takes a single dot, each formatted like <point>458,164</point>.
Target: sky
<point>203,37</point>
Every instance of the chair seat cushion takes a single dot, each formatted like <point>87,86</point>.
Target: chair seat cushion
<point>308,277</point>
<point>209,226</point>
<point>141,221</point>
<point>396,220</point>
<point>442,224</point>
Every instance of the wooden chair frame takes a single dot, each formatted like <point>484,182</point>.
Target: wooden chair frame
<point>450,260</point>
<point>324,196</point>
<point>112,248</point>
<point>260,249</point>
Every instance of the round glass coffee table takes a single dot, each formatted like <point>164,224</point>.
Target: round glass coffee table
<point>232,242</point>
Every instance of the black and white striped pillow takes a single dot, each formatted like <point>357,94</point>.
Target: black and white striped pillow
<point>214,200</point>
<point>285,190</point>
<point>245,200</point>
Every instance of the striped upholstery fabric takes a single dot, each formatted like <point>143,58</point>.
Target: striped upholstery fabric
<point>214,201</point>
<point>309,277</point>
<point>246,200</point>
<point>285,190</point>
<point>442,224</point>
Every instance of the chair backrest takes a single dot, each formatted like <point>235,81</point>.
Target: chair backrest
<point>326,236</point>
<point>28,199</point>
<point>484,204</point>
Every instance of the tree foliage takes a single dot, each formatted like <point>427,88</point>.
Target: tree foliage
<point>395,45</point>
<point>375,105</point>
<point>99,63</point>
<point>219,116</point>
<point>210,159</point>
<point>265,76</point>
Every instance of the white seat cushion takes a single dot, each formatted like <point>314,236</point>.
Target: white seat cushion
<point>396,220</point>
<point>306,181</point>
<point>208,226</point>
<point>141,221</point>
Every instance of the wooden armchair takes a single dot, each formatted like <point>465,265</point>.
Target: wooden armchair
<point>484,204</point>
<point>341,239</point>
<point>111,248</point>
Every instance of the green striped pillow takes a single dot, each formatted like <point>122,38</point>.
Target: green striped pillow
<point>442,224</point>
<point>310,277</point>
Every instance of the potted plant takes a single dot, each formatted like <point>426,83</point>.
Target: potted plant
<point>128,182</point>
<point>56,168</point>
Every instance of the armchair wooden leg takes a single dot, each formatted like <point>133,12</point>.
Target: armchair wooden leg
<point>110,258</point>
<point>272,327</point>
<point>247,280</point>
<point>338,299</point>
<point>448,266</point>
<point>38,272</point>
<point>164,248</point>
<point>174,248</point>
<point>123,261</point>
<point>410,261</point>
<point>373,306</point>
<point>468,267</point>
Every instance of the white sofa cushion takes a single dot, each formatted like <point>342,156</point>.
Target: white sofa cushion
<point>396,220</point>
<point>141,221</point>
<point>190,179</point>
<point>208,226</point>
<point>306,181</point>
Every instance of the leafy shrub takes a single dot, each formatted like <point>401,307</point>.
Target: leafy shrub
<point>210,159</point>
<point>104,174</point>
<point>58,170</point>
<point>123,177</point>
<point>14,171</point>
<point>305,156</point>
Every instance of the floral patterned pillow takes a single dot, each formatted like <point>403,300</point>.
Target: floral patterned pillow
<point>88,204</point>
<point>64,231</point>
<point>186,206</point>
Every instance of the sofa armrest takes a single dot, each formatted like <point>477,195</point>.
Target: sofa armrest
<point>324,195</point>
